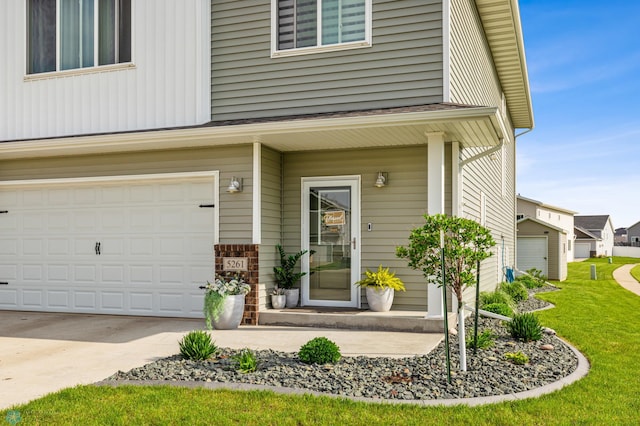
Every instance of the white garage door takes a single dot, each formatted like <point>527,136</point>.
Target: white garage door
<point>116,246</point>
<point>532,253</point>
<point>583,251</point>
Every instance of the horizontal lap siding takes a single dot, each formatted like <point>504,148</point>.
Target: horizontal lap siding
<point>393,210</point>
<point>403,67</point>
<point>235,209</point>
<point>473,76</point>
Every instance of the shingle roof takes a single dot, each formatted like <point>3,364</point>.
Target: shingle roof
<point>591,222</point>
<point>583,234</point>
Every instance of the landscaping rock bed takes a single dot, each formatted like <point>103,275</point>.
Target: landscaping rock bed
<point>415,378</point>
<point>533,303</point>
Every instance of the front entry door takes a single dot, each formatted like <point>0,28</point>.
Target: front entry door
<point>331,228</point>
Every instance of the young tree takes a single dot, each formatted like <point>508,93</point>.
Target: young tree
<point>466,243</point>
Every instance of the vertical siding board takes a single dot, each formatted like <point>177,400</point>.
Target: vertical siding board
<point>160,91</point>
<point>247,83</point>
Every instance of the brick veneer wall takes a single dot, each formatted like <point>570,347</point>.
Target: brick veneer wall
<point>251,276</point>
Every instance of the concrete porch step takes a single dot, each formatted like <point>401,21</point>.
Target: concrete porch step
<point>354,319</point>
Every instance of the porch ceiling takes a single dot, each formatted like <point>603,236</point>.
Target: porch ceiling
<point>471,127</point>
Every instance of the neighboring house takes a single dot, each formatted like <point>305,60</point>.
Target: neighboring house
<point>556,217</point>
<point>620,236</point>
<point>140,140</point>
<point>633,234</point>
<point>594,236</point>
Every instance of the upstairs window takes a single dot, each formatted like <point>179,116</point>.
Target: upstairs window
<point>72,34</point>
<point>305,26</point>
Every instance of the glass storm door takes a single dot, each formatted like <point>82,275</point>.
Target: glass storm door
<point>331,229</point>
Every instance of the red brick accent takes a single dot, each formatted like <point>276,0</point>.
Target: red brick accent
<point>251,276</point>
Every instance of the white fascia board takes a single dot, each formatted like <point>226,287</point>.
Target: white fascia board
<point>218,135</point>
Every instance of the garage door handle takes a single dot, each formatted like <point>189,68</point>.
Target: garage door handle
<point>4,283</point>
<point>209,206</point>
<point>4,211</point>
<point>98,248</point>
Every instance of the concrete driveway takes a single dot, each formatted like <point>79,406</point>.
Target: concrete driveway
<point>42,353</point>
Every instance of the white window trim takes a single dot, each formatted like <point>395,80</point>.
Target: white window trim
<point>75,71</point>
<point>275,53</point>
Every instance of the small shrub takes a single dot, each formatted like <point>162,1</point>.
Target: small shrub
<point>486,339</point>
<point>246,361</point>
<point>516,290</point>
<point>499,308</point>
<point>197,345</point>
<point>534,279</point>
<point>525,326</point>
<point>498,296</point>
<point>319,351</point>
<point>517,357</point>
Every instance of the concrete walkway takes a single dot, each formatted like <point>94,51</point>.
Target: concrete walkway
<point>45,352</point>
<point>623,276</point>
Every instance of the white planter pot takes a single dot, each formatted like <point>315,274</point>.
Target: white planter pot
<point>292,295</point>
<point>278,301</point>
<point>379,300</point>
<point>231,313</point>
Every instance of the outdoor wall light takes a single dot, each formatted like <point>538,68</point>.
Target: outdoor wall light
<point>382,180</point>
<point>235,185</point>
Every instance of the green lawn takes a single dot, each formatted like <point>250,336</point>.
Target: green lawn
<point>598,317</point>
<point>635,272</point>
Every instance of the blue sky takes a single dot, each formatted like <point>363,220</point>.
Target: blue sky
<point>583,60</point>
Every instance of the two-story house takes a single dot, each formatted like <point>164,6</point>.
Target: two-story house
<point>545,237</point>
<point>594,236</point>
<point>137,135</point>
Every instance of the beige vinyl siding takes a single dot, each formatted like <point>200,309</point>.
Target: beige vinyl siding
<point>393,210</point>
<point>402,68</point>
<point>485,175</point>
<point>235,209</point>
<point>271,214</point>
<point>473,78</point>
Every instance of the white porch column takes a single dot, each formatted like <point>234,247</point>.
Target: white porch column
<point>435,205</point>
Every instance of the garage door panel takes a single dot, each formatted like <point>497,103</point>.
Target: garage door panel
<point>532,253</point>
<point>58,273</point>
<point>32,298</point>
<point>8,246</point>
<point>58,299</point>
<point>141,274</point>
<point>170,303</point>
<point>112,301</point>
<point>8,298</point>
<point>32,273</point>
<point>33,247</point>
<point>85,300</point>
<point>85,274</point>
<point>141,302</point>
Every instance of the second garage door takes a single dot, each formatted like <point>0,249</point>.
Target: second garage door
<point>127,245</point>
<point>532,253</point>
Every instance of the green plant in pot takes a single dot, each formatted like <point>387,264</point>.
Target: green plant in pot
<point>380,287</point>
<point>286,275</point>
<point>224,302</point>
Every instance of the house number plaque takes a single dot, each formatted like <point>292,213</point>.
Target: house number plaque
<point>234,264</point>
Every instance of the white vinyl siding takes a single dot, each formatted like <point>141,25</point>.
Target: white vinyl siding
<point>168,84</point>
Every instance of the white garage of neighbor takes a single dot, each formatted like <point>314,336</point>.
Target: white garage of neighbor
<point>532,253</point>
<point>129,245</point>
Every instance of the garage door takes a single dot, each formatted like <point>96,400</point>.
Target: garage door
<point>583,251</point>
<point>532,253</point>
<point>135,246</point>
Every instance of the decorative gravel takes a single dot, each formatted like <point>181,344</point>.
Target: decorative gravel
<point>533,303</point>
<point>415,378</point>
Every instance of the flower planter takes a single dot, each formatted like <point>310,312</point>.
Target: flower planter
<point>278,301</point>
<point>292,294</point>
<point>379,300</point>
<point>231,312</point>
